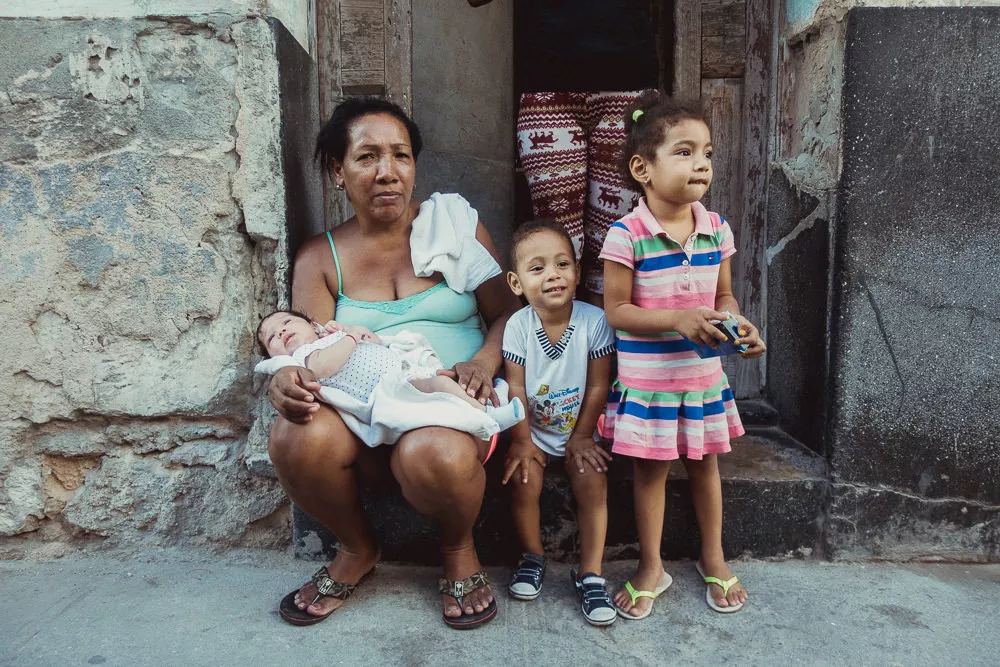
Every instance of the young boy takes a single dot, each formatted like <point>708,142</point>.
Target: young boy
<point>557,354</point>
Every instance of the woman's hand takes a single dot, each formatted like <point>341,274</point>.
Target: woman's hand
<point>520,455</point>
<point>697,325</point>
<point>582,448</point>
<point>475,379</point>
<point>291,394</point>
<point>750,336</point>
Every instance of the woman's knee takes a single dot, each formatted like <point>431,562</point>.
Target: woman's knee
<point>292,445</point>
<point>438,453</point>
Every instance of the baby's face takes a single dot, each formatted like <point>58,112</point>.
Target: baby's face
<point>283,333</point>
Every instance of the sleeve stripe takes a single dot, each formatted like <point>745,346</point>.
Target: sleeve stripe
<point>510,356</point>
<point>602,352</point>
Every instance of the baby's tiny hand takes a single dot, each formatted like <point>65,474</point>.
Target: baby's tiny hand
<point>750,336</point>
<point>362,334</point>
<point>333,326</point>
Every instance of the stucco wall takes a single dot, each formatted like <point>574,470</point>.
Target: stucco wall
<point>142,210</point>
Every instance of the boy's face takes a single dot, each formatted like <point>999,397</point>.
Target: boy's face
<point>283,333</point>
<point>546,272</point>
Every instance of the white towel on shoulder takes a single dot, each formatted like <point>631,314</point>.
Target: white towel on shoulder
<point>443,239</point>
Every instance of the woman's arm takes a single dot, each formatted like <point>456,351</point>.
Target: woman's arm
<point>496,304</point>
<point>695,324</point>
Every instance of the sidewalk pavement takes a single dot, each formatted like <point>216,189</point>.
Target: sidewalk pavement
<point>183,608</point>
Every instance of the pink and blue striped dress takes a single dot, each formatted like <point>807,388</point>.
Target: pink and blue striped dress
<point>667,401</point>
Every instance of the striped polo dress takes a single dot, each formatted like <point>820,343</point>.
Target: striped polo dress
<point>667,401</point>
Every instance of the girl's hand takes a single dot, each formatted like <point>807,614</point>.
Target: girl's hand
<point>696,324</point>
<point>333,326</point>
<point>581,448</point>
<point>750,336</point>
<point>475,379</point>
<point>520,455</point>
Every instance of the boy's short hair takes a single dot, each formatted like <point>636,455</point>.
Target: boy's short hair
<point>531,228</point>
<point>260,344</point>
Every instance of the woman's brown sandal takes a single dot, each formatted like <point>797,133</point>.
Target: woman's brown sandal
<point>458,590</point>
<point>326,587</point>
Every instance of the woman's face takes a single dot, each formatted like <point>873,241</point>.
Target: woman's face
<point>378,167</point>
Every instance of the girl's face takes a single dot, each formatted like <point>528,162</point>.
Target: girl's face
<point>681,171</point>
<point>283,333</point>
<point>378,167</point>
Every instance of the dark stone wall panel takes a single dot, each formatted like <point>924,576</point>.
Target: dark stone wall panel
<point>915,344</point>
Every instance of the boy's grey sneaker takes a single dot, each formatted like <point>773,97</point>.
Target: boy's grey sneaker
<point>526,582</point>
<point>594,599</point>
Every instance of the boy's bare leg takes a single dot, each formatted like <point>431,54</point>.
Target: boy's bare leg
<point>706,494</point>
<point>525,508</point>
<point>444,384</point>
<point>590,488</point>
<point>650,491</point>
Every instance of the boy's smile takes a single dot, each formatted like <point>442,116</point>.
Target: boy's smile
<point>546,272</point>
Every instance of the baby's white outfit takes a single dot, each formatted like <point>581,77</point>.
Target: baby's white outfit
<point>373,394</point>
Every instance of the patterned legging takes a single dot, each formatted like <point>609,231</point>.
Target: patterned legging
<point>570,149</point>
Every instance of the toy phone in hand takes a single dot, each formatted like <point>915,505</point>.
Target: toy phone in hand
<point>730,327</point>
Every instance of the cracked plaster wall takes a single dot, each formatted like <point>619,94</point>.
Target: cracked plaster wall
<point>880,342</point>
<point>142,212</point>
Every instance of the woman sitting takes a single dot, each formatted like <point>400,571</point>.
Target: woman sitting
<point>388,270</point>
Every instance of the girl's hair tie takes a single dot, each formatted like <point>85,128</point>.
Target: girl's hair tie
<point>636,114</point>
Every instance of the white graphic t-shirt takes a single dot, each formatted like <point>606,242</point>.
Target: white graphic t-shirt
<point>555,376</point>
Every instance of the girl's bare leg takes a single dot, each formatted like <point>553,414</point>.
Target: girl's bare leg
<point>706,494</point>
<point>650,493</point>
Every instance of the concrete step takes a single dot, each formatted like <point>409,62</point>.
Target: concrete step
<point>774,492</point>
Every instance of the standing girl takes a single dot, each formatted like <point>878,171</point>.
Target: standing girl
<point>667,276</point>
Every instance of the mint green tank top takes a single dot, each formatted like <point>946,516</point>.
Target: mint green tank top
<point>450,320</point>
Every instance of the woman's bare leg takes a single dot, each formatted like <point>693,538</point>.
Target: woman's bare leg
<point>441,475</point>
<point>317,465</point>
<point>706,494</point>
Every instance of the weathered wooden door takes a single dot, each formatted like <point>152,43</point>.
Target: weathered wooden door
<point>723,52</point>
<point>364,47</point>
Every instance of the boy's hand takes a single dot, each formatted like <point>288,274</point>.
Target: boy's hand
<point>750,336</point>
<point>582,448</point>
<point>520,455</point>
<point>696,324</point>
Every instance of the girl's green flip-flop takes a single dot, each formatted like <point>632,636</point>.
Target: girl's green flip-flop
<point>724,585</point>
<point>634,595</point>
